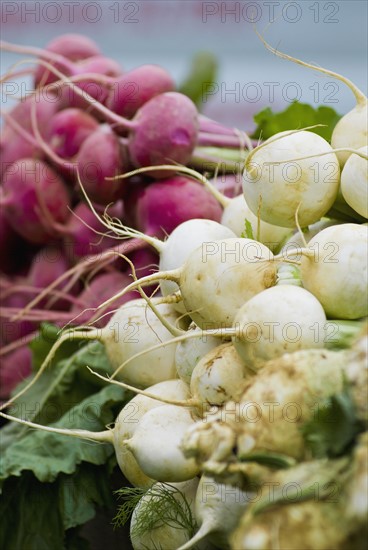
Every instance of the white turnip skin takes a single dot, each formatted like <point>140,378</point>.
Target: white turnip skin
<point>336,270</point>
<point>165,536</point>
<point>218,508</point>
<point>181,243</point>
<point>189,352</point>
<point>237,211</point>
<point>298,240</point>
<point>277,184</point>
<point>354,183</point>
<point>133,328</point>
<point>156,441</point>
<point>140,329</point>
<point>217,278</point>
<point>183,240</point>
<point>279,320</point>
<point>351,131</point>
<point>269,414</point>
<point>218,376</point>
<point>128,420</point>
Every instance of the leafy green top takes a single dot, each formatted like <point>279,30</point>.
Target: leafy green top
<point>297,115</point>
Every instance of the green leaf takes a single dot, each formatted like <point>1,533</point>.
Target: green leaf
<point>29,516</point>
<point>48,454</point>
<point>273,460</point>
<point>201,78</point>
<point>62,385</point>
<point>43,342</point>
<point>297,115</point>
<point>80,493</point>
<point>248,231</point>
<point>333,428</point>
<point>41,516</point>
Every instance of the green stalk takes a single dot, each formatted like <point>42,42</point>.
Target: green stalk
<point>219,158</point>
<point>341,334</point>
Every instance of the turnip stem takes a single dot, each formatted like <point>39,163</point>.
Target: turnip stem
<point>120,229</point>
<point>220,333</point>
<point>110,115</point>
<point>183,170</point>
<point>343,333</point>
<point>339,150</point>
<point>101,437</point>
<point>85,265</point>
<point>172,275</point>
<point>187,403</point>
<point>204,530</point>
<point>37,52</point>
<point>359,96</point>
<point>273,140</point>
<point>87,333</point>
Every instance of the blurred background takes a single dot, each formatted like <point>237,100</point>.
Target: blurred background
<point>332,34</point>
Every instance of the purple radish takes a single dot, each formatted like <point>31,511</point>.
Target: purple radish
<point>74,47</point>
<point>133,89</point>
<point>81,232</point>
<point>14,367</point>
<point>30,185</point>
<point>164,131</point>
<point>98,290</point>
<point>15,330</point>
<point>146,262</point>
<point>100,157</point>
<point>47,265</point>
<point>17,140</point>
<point>163,205</point>
<point>101,73</point>
<point>68,129</point>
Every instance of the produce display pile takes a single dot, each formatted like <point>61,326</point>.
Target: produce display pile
<point>183,313</point>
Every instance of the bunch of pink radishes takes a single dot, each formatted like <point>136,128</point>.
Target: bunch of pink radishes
<point>87,122</point>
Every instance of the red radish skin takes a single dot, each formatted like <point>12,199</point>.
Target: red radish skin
<point>68,130</point>
<point>14,367</point>
<point>15,330</point>
<point>47,265</point>
<point>80,235</point>
<point>28,184</point>
<point>100,157</point>
<point>145,261</point>
<point>164,130</point>
<point>97,291</point>
<point>133,89</point>
<point>163,205</point>
<point>14,145</point>
<point>74,47</point>
<point>95,86</point>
